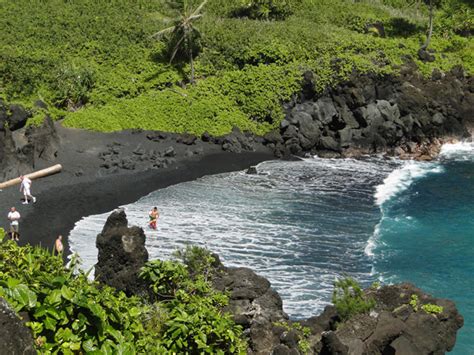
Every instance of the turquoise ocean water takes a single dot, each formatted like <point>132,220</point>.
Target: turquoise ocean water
<point>426,233</point>
<point>303,224</point>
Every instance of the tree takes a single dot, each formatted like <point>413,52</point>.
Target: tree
<point>430,27</point>
<point>183,40</point>
<point>431,6</point>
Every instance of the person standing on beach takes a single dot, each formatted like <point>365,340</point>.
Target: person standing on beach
<point>14,218</point>
<point>58,245</point>
<point>26,187</point>
<point>154,214</point>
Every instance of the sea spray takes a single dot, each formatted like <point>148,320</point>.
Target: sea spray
<point>300,224</point>
<point>426,232</point>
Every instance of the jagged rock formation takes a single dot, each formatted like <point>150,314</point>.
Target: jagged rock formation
<point>19,157</point>
<point>44,139</point>
<point>394,326</point>
<point>13,161</point>
<point>254,304</point>
<point>15,337</point>
<point>404,115</point>
<point>122,253</point>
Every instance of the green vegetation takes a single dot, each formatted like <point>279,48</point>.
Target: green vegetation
<point>432,308</point>
<point>349,299</point>
<point>303,334</point>
<point>97,63</point>
<point>70,314</point>
<point>414,302</point>
<point>428,307</point>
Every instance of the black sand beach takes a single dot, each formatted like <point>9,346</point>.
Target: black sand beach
<point>84,187</point>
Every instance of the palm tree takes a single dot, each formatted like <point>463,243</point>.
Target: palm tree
<point>430,27</point>
<point>184,37</point>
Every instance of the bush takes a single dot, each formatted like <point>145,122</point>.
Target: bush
<point>266,9</point>
<point>70,314</point>
<point>349,299</point>
<point>195,321</point>
<point>72,86</point>
<point>199,261</point>
<point>65,54</point>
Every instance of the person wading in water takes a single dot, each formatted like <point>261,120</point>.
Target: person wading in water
<point>154,214</point>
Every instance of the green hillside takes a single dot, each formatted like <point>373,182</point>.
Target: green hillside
<point>96,64</point>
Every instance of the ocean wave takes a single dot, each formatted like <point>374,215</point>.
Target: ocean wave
<point>400,179</point>
<point>300,224</point>
<point>463,151</point>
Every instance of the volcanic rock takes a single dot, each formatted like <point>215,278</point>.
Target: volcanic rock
<point>15,337</point>
<point>121,254</point>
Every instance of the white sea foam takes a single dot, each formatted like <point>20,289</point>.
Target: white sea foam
<point>300,224</point>
<point>458,151</point>
<point>400,179</point>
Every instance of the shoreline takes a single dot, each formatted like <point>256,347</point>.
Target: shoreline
<point>62,203</point>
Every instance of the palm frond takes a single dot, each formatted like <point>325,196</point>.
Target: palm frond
<point>163,32</point>
<point>199,8</point>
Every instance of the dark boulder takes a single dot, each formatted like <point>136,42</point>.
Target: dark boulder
<point>186,138</point>
<point>17,117</point>
<point>14,161</point>
<point>272,137</point>
<point>236,142</point>
<point>324,110</point>
<point>15,337</point>
<point>395,325</point>
<point>44,140</point>
<point>121,254</point>
<point>254,305</point>
<point>426,56</point>
<point>169,152</point>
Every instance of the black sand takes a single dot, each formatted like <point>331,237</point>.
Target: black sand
<point>84,188</point>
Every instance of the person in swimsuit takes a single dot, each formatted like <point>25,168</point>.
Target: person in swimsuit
<point>154,214</point>
<point>58,245</point>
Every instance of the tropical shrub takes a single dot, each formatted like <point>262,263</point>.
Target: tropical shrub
<point>349,299</point>
<point>199,261</point>
<point>196,322</point>
<point>266,9</point>
<point>70,314</point>
<point>66,55</point>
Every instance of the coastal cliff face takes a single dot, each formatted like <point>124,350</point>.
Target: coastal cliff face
<point>396,325</point>
<point>19,155</point>
<point>406,115</point>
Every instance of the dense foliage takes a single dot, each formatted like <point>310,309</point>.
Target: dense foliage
<point>70,314</point>
<point>97,63</point>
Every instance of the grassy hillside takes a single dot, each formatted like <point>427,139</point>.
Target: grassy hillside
<point>96,64</point>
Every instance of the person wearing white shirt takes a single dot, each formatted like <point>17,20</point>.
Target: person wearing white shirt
<point>14,218</point>
<point>26,188</point>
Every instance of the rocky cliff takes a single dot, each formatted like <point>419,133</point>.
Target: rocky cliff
<point>19,156</point>
<point>395,325</point>
<point>406,115</point>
